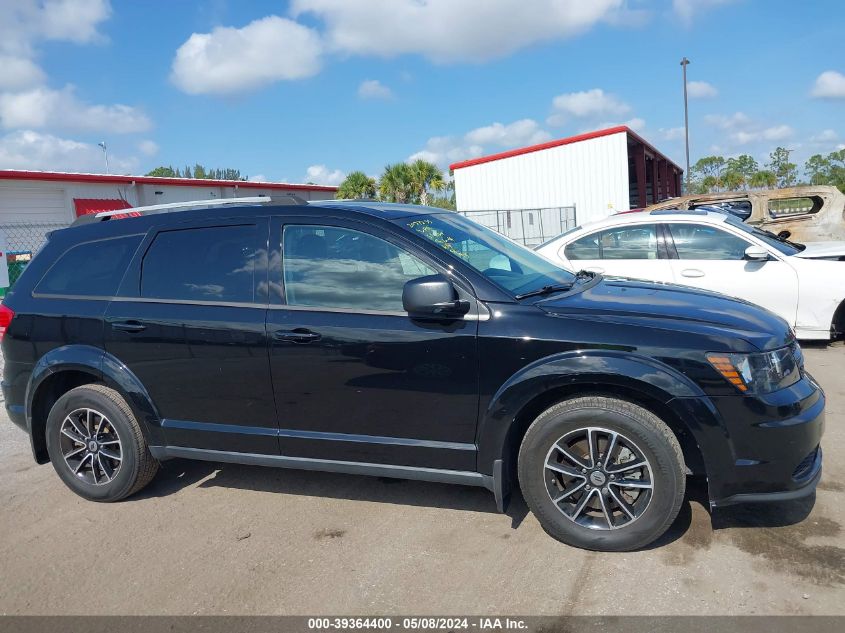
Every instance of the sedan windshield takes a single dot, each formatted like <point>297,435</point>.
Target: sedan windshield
<point>512,266</point>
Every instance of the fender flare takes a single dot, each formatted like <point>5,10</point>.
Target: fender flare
<point>102,367</point>
<point>593,370</point>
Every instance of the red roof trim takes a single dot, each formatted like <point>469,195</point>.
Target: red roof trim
<point>557,143</point>
<point>14,174</point>
<point>541,146</point>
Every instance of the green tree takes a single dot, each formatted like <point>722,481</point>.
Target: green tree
<point>163,172</point>
<point>356,185</point>
<point>707,173</point>
<point>785,172</point>
<point>395,184</point>
<point>199,171</point>
<point>425,177</point>
<point>739,171</point>
<point>763,179</point>
<point>187,172</point>
<point>817,168</point>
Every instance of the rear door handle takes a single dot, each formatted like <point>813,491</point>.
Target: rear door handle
<point>128,326</point>
<point>299,335</point>
<point>692,272</point>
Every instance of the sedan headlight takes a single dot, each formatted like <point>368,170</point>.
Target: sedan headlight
<point>758,373</point>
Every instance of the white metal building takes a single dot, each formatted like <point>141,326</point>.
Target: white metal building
<point>598,173</point>
<point>32,203</point>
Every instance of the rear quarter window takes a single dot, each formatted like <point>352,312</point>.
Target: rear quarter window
<point>90,269</point>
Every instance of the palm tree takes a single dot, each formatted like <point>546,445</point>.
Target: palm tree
<point>357,185</point>
<point>763,179</point>
<point>395,184</point>
<point>425,176</point>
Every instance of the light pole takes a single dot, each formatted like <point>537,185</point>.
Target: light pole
<point>684,63</point>
<point>106,154</point>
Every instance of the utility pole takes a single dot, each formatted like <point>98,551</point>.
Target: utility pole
<point>684,63</point>
<point>106,154</point>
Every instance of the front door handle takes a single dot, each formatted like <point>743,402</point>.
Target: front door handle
<point>128,326</point>
<point>692,272</point>
<point>299,335</point>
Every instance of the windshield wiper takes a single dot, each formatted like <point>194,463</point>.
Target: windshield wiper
<point>581,275</point>
<point>545,290</point>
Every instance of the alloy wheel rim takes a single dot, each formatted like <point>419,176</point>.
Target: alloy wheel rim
<point>598,478</point>
<point>90,446</point>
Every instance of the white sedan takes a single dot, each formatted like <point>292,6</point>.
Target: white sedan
<point>804,284</point>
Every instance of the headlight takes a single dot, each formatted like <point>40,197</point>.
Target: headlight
<point>758,373</point>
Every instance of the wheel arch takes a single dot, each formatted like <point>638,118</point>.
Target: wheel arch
<point>70,366</point>
<point>837,324</point>
<point>642,381</point>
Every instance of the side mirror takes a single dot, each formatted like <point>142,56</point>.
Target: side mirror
<point>756,254</point>
<point>433,297</point>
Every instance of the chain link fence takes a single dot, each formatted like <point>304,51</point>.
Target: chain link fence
<point>22,242</point>
<point>530,227</point>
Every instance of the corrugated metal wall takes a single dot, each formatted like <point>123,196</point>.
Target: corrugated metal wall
<point>52,201</point>
<point>591,175</point>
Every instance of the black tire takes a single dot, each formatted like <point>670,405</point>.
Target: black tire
<point>650,437</point>
<point>135,469</point>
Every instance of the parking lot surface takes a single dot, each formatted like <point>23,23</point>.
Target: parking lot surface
<point>208,538</point>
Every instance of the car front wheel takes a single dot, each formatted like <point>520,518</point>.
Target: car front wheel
<point>602,473</point>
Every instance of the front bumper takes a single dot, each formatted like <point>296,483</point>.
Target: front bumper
<point>763,447</point>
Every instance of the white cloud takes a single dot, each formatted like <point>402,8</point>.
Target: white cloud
<point>672,133</point>
<point>522,132</point>
<point>444,150</point>
<point>148,147</point>
<point>686,9</point>
<point>374,89</point>
<point>322,175</point>
<point>636,124</point>
<point>19,73</point>
<point>447,31</point>
<point>743,130</point>
<point>230,60</point>
<point>25,99</point>
<point>61,109</point>
<point>24,23</point>
<point>829,85</point>
<point>701,90</point>
<point>585,105</point>
<point>825,136</point>
<point>258,178</point>
<point>27,149</point>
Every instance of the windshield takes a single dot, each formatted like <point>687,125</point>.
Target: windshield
<point>512,266</point>
<point>784,246</point>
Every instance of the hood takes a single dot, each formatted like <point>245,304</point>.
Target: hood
<point>667,306</point>
<point>822,249</point>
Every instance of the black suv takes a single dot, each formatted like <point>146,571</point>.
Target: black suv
<point>406,342</point>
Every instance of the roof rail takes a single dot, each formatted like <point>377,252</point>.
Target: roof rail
<point>178,206</point>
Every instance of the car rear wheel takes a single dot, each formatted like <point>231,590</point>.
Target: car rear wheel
<point>96,445</point>
<point>602,473</point>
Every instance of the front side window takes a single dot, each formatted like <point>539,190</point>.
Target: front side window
<point>627,242</point>
<point>201,264</point>
<point>332,267</point>
<point>512,266</point>
<point>91,269</point>
<point>699,242</point>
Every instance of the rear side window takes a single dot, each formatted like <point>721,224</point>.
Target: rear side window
<point>786,207</point>
<point>90,269</point>
<point>202,264</point>
<point>629,242</point>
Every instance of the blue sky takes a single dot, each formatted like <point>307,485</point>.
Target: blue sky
<point>312,89</point>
